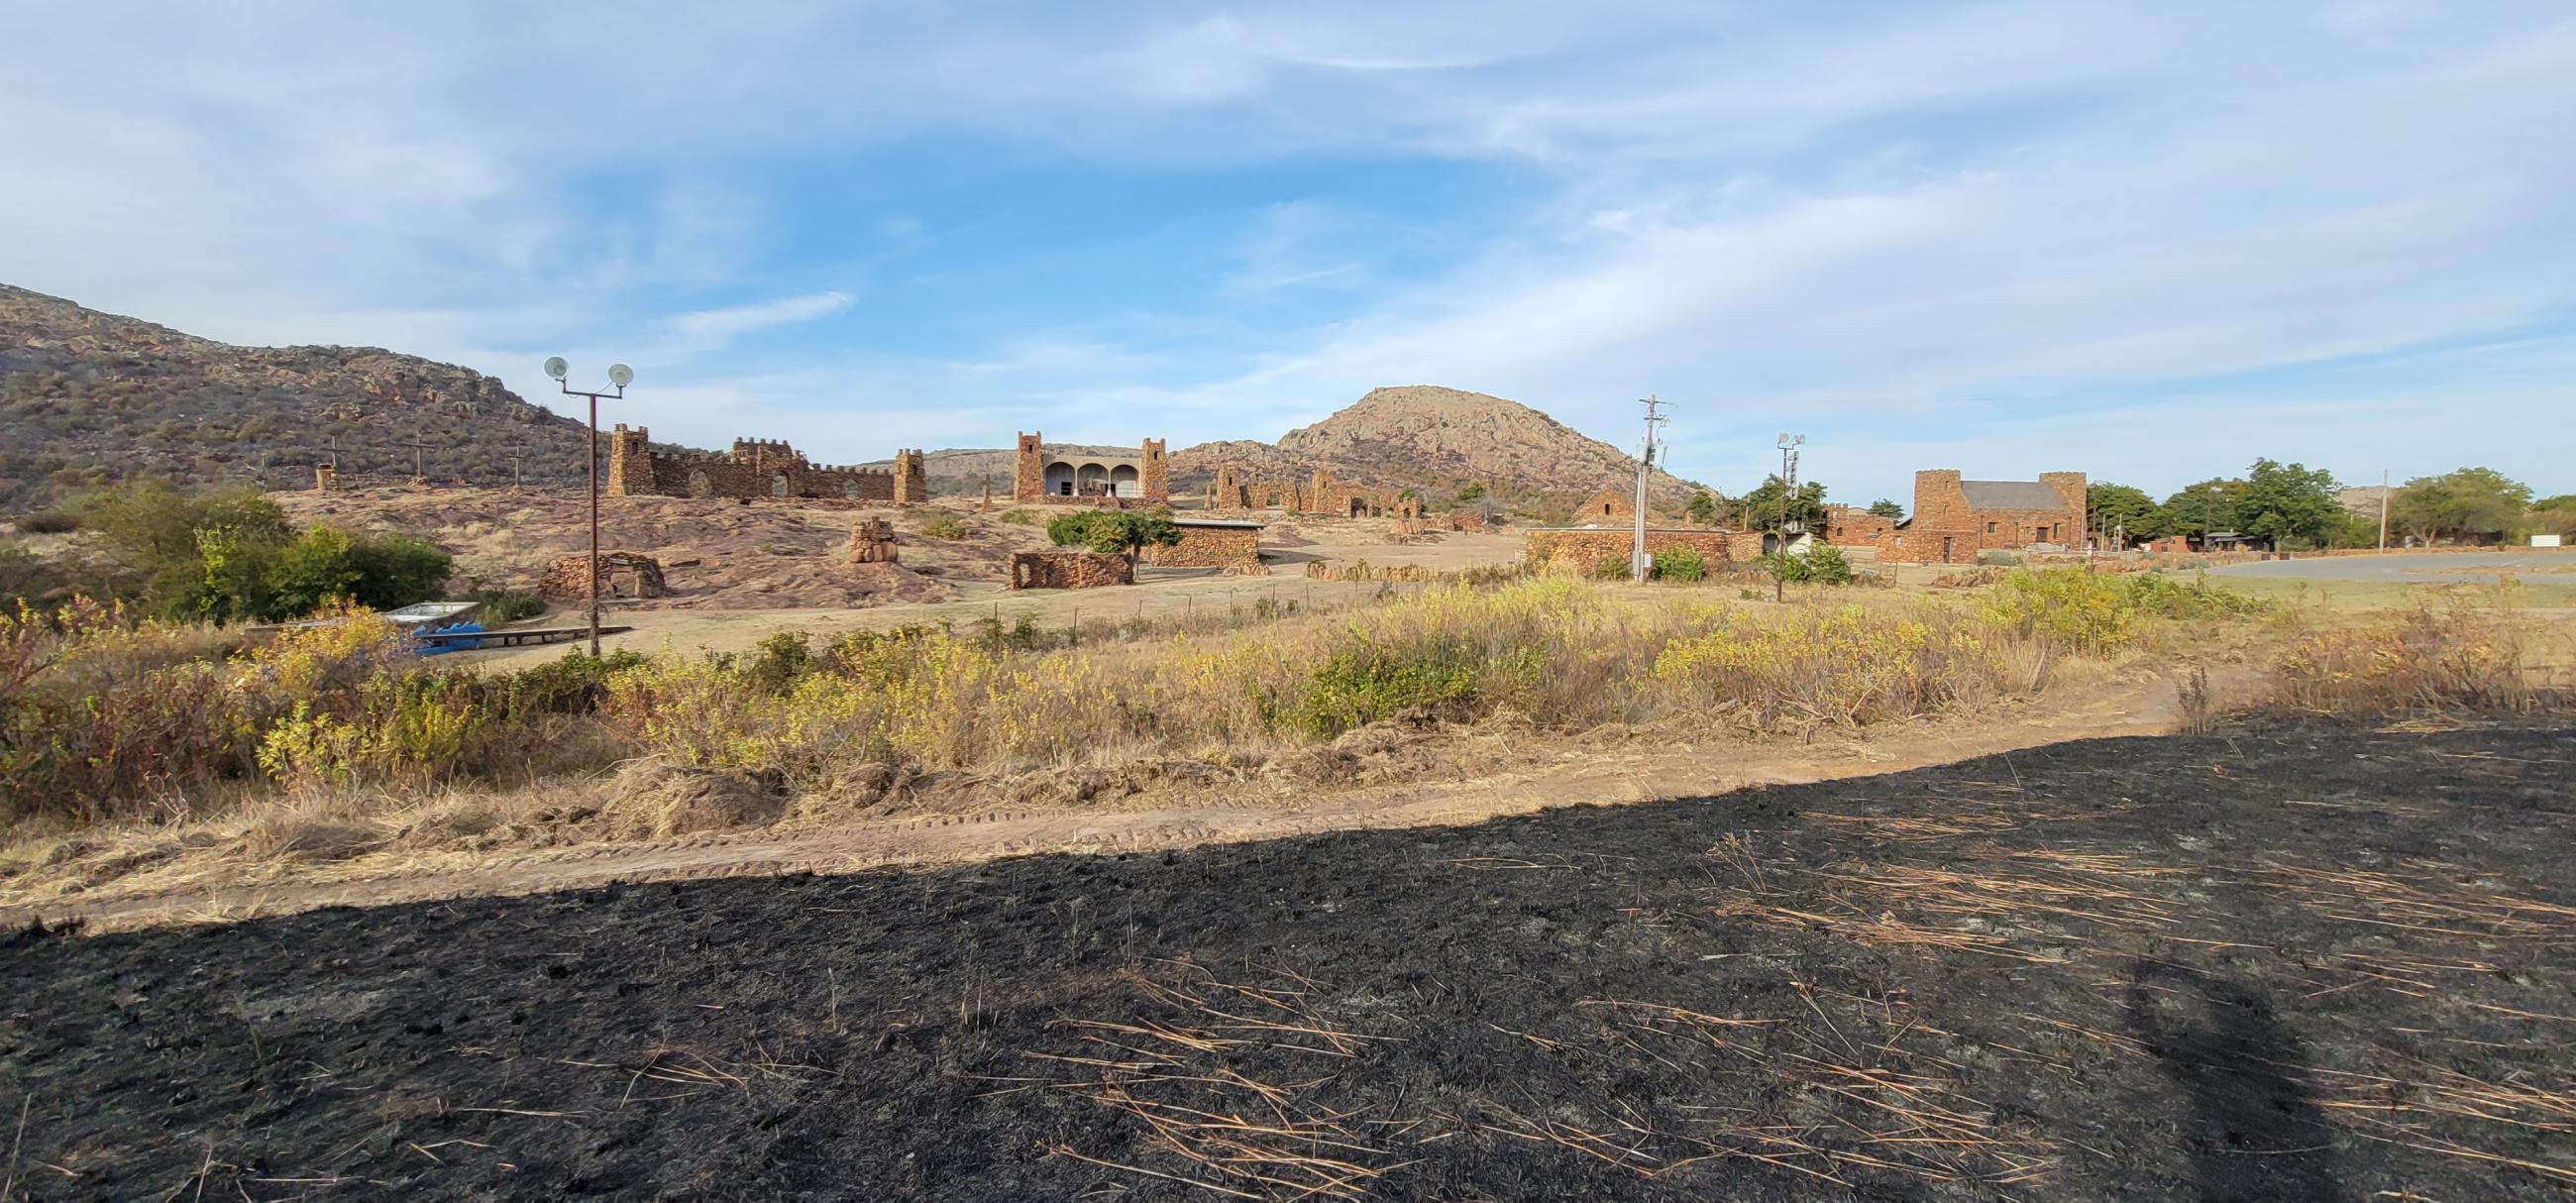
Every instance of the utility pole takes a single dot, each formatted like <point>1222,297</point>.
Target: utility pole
<point>518,475</point>
<point>2385,497</point>
<point>1789,444</point>
<point>417,444</point>
<point>1638,562</point>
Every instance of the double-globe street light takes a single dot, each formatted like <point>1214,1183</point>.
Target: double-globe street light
<point>619,375</point>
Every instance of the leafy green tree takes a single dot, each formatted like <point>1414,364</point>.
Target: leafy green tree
<point>1702,508</point>
<point>2204,507</point>
<point>396,570</point>
<point>1761,508</point>
<point>2287,504</point>
<point>2472,503</point>
<point>1886,507</point>
<point>314,571</point>
<point>1114,532</point>
<point>2553,515</point>
<point>2129,510</point>
<point>1474,491</point>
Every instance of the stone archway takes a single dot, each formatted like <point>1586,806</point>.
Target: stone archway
<point>1124,481</point>
<point>1091,479</point>
<point>699,484</point>
<point>1058,479</point>
<point>778,485</point>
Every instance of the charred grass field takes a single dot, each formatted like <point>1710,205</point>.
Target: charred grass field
<point>2296,958</point>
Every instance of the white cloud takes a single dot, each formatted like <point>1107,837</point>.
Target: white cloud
<point>708,328</point>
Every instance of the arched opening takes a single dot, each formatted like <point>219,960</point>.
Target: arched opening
<point>1059,479</point>
<point>1091,480</point>
<point>778,485</point>
<point>1124,481</point>
<point>1359,507</point>
<point>699,485</point>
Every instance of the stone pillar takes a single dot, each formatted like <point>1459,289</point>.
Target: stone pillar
<point>1028,471</point>
<point>1157,474</point>
<point>872,541</point>
<point>326,479</point>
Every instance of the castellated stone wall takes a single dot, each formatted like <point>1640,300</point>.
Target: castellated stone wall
<point>1209,545</point>
<point>1580,550</point>
<point>754,468</point>
<point>1069,570</point>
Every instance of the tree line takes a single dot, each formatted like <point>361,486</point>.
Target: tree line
<point>2294,507</point>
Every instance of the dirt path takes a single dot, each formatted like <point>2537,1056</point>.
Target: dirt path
<point>1636,769</point>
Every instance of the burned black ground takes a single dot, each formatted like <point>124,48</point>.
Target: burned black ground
<point>2296,960</point>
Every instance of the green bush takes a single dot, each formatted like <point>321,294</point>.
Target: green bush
<point>48,522</point>
<point>1680,564</point>
<point>946,526</point>
<point>1821,563</point>
<point>1359,686</point>
<point>508,605</point>
<point>1611,568</point>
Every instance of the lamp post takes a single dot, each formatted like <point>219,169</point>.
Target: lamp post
<point>1789,444</point>
<point>619,375</point>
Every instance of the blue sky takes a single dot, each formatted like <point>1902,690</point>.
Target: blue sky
<point>2148,241</point>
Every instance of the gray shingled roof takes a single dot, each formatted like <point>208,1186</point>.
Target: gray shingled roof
<point>2010,495</point>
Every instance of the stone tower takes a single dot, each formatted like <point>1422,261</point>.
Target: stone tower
<point>1157,474</point>
<point>1028,472</point>
<point>630,462</point>
<point>911,478</point>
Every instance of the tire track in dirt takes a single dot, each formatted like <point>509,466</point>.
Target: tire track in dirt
<point>1613,777</point>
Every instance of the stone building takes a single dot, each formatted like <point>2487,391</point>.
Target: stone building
<point>1068,477</point>
<point>1855,526</point>
<point>1954,519</point>
<point>754,468</point>
<point>1608,505</point>
<point>1209,543</point>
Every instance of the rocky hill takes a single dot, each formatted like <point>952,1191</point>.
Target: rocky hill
<point>87,397</point>
<point>1423,433</point>
<point>1437,440</point>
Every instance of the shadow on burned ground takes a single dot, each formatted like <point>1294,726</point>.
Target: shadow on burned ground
<point>2113,968</point>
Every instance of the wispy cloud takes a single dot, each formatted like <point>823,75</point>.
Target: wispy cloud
<point>709,328</point>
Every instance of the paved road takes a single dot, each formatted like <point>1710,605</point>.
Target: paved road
<point>2404,566</point>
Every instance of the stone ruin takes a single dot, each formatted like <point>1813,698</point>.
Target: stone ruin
<point>872,542</point>
<point>624,574</point>
<point>326,479</point>
<point>1318,494</point>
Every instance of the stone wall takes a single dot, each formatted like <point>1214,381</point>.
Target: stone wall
<point>754,468</point>
<point>1209,546</point>
<point>1582,549</point>
<point>1068,570</point>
